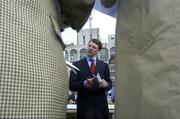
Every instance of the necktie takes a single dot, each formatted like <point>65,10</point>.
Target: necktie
<point>92,66</point>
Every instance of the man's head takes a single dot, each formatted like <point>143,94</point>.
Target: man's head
<point>94,46</point>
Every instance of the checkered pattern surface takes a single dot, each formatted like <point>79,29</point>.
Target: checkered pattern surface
<point>33,75</point>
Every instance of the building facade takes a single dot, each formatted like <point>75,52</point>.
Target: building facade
<point>85,35</point>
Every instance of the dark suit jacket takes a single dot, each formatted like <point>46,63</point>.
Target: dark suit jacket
<point>91,103</point>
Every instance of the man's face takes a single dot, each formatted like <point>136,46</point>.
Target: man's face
<point>92,49</point>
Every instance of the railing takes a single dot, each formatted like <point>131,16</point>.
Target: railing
<point>71,109</point>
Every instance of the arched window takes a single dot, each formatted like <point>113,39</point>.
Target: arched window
<point>104,54</point>
<point>66,55</point>
<point>73,55</point>
<point>112,51</point>
<point>82,53</point>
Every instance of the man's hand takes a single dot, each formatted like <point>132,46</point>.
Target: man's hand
<point>89,82</point>
<point>103,83</point>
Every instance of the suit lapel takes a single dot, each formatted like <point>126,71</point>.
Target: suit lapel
<point>97,67</point>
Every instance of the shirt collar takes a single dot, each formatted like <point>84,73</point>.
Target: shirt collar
<point>88,58</point>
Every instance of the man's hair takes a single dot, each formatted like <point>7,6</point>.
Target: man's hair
<point>98,42</point>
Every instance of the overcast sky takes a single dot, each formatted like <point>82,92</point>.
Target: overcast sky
<point>105,23</point>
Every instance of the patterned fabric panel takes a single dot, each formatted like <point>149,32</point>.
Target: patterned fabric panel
<point>33,74</point>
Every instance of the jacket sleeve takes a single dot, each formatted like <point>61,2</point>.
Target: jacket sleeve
<point>75,81</point>
<point>76,12</point>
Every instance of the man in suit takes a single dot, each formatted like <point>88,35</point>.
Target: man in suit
<point>147,59</point>
<point>91,82</point>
